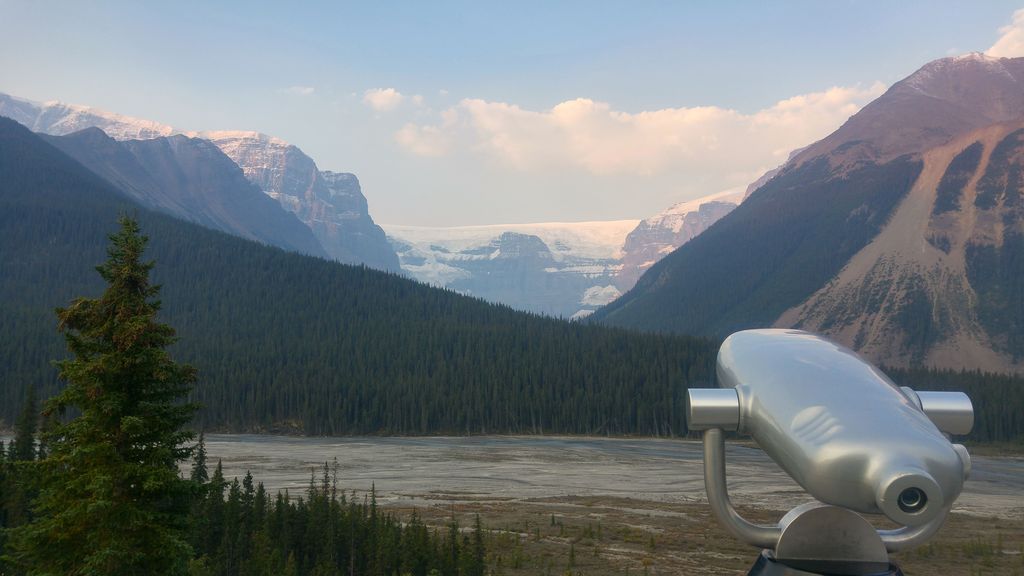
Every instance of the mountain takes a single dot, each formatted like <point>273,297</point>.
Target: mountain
<point>662,233</point>
<point>561,269</point>
<point>943,283</point>
<point>943,99</point>
<point>332,206</point>
<point>655,237</point>
<point>899,234</point>
<point>192,179</point>
<point>287,342</point>
<point>564,269</point>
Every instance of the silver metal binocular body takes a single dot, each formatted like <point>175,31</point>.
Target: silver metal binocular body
<point>838,426</point>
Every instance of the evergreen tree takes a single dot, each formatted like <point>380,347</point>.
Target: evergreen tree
<point>4,490</point>
<point>200,522</point>
<point>199,474</point>
<point>23,447</point>
<point>111,500</point>
<point>19,490</point>
<point>213,514</point>
<point>477,551</point>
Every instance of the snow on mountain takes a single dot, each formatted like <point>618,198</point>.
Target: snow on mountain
<point>556,268</point>
<point>595,240</point>
<point>674,218</point>
<point>58,119</point>
<point>655,237</point>
<point>600,295</point>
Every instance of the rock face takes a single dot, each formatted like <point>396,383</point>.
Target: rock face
<point>659,235</point>
<point>192,179</point>
<point>901,234</point>
<point>941,284</point>
<point>331,205</point>
<point>559,269</point>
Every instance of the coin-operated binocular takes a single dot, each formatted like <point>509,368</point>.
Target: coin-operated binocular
<point>851,438</point>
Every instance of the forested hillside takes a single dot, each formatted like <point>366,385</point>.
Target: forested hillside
<point>289,342</point>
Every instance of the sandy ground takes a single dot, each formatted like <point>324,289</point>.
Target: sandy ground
<point>600,506</point>
<point>409,471</point>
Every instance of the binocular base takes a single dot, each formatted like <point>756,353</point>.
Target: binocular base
<point>767,566</point>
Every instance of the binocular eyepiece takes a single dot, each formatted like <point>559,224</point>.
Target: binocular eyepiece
<point>839,427</point>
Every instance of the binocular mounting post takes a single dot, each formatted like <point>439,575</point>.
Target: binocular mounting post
<point>813,538</point>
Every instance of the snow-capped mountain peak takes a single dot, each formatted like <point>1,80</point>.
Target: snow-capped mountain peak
<point>58,118</point>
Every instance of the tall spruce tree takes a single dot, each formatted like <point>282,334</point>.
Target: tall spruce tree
<point>111,499</point>
<point>4,491</point>
<point>19,490</point>
<point>23,447</point>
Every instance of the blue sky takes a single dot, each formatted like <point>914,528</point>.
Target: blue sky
<point>476,113</point>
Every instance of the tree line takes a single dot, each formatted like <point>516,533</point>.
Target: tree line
<point>238,529</point>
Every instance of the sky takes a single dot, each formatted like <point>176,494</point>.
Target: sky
<point>468,113</point>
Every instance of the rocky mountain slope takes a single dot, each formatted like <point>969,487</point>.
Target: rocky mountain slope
<point>331,205</point>
<point>899,234</point>
<point>192,179</point>
<point>943,283</point>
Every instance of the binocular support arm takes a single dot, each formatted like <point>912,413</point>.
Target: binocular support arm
<point>912,536</point>
<point>718,496</point>
<point>768,536</point>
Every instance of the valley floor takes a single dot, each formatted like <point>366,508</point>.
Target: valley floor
<point>609,506</point>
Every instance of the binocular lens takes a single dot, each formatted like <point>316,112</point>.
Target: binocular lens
<point>912,500</point>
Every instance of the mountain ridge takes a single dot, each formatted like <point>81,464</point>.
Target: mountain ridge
<point>192,179</point>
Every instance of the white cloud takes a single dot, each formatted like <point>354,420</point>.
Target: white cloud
<point>387,99</point>
<point>1011,39</point>
<point>383,99</point>
<point>298,90</point>
<point>718,143</point>
<point>429,141</point>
